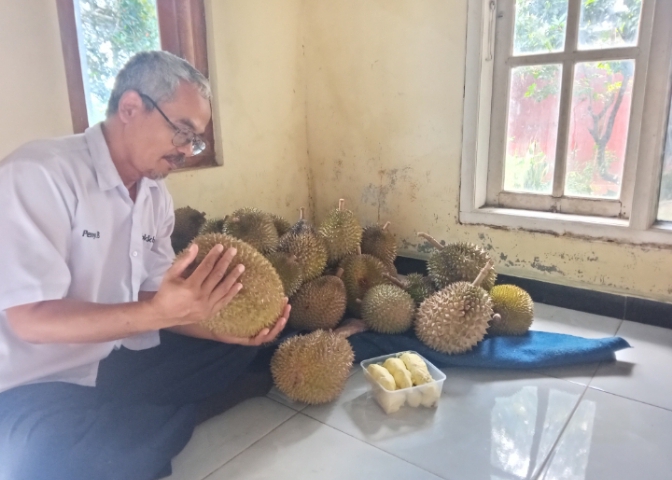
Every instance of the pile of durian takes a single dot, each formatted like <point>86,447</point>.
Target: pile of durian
<point>339,267</point>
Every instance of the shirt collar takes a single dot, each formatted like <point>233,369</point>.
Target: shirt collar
<point>106,172</point>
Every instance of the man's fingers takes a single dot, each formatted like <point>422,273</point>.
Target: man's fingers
<point>219,271</point>
<point>206,266</point>
<point>228,296</point>
<point>183,261</point>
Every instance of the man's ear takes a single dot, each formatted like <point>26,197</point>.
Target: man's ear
<point>130,106</point>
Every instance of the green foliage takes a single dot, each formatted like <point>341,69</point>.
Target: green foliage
<point>112,31</point>
<point>529,172</point>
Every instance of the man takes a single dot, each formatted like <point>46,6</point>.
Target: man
<point>89,388</point>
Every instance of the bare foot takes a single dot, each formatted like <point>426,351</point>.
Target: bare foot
<point>351,326</point>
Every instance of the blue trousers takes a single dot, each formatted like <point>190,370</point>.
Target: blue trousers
<point>141,413</point>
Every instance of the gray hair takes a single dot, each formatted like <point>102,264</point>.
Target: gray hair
<point>157,74</point>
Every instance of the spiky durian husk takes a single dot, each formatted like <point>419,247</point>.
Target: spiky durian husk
<point>282,225</point>
<point>388,309</point>
<point>454,319</point>
<point>312,368</point>
<point>361,273</point>
<point>259,304</point>
<point>516,308</point>
<point>459,262</point>
<point>254,227</point>
<point>289,269</point>
<point>419,287</point>
<point>380,243</point>
<point>342,235</point>
<point>214,225</point>
<point>309,250</point>
<point>319,303</point>
<point>187,223</point>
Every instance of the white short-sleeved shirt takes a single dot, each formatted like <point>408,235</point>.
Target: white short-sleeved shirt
<point>69,229</point>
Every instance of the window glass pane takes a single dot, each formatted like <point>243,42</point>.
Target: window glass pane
<point>110,32</point>
<point>609,23</point>
<point>532,128</point>
<point>598,129</point>
<point>665,205</point>
<point>540,26</point>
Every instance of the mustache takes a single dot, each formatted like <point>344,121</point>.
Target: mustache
<point>177,160</point>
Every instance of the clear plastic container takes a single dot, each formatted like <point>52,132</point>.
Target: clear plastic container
<point>426,395</point>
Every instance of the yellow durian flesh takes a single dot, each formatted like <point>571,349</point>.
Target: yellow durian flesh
<point>418,368</point>
<point>382,376</point>
<point>259,304</point>
<point>402,377</point>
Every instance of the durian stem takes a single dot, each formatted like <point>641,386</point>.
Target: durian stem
<point>302,213</point>
<point>341,204</point>
<point>431,240</point>
<point>483,273</point>
<point>496,318</point>
<point>339,272</point>
<point>359,249</point>
<point>395,280</point>
<point>387,224</point>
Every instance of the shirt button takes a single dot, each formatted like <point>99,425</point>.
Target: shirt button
<point>135,254</point>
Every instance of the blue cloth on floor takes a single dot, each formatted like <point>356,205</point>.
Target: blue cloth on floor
<point>533,350</point>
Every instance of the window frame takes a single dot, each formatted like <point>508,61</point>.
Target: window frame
<point>635,219</point>
<point>182,28</point>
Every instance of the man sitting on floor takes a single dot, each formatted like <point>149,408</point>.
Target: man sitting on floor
<point>104,370</point>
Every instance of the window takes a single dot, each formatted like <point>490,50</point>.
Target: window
<point>99,36</point>
<point>566,114</point>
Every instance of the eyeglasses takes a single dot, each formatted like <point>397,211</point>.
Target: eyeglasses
<point>181,137</point>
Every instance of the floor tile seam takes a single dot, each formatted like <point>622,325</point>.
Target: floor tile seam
<point>597,389</point>
<point>540,469</point>
<point>252,444</point>
<point>285,405</point>
<point>374,446</point>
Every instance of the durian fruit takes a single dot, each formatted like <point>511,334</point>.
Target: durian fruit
<point>253,226</point>
<point>360,274</point>
<point>341,232</point>
<point>388,309</point>
<point>312,368</point>
<point>418,286</point>
<point>259,304</point>
<point>456,318</point>
<point>187,223</point>
<point>289,269</point>
<point>319,303</point>
<point>380,242</point>
<point>515,307</point>
<point>303,242</point>
<point>282,225</point>
<point>213,225</point>
<point>457,262</point>
<point>417,366</point>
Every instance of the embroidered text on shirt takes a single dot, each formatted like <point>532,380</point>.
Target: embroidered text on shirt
<point>149,239</point>
<point>88,234</point>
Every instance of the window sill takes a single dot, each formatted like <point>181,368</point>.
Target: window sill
<point>579,226</point>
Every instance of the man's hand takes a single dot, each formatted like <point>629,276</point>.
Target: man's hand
<point>265,336</point>
<point>184,301</point>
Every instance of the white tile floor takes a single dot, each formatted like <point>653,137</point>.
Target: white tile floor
<point>592,422</point>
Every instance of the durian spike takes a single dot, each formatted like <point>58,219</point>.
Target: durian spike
<point>387,224</point>
<point>339,272</point>
<point>341,204</point>
<point>483,273</point>
<point>302,213</point>
<point>395,280</point>
<point>350,327</point>
<point>431,240</point>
